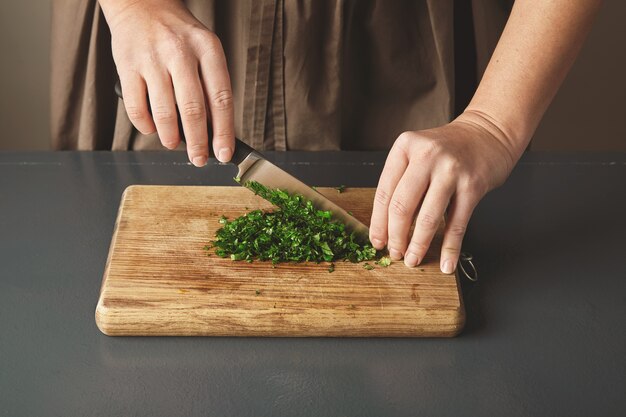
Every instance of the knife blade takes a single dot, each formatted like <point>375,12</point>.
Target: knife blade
<point>253,166</point>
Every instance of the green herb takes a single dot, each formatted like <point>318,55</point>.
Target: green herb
<point>297,232</point>
<point>237,180</point>
<point>331,268</point>
<point>340,189</point>
<point>368,266</point>
<point>257,292</point>
<point>384,261</point>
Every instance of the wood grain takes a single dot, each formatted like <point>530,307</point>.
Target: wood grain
<point>159,280</point>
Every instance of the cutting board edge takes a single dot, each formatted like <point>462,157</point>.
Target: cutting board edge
<point>120,211</point>
<point>450,323</point>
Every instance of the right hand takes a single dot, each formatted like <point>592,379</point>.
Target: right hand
<point>164,55</point>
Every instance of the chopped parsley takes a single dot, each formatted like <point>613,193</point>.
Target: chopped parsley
<point>296,232</point>
<point>384,261</point>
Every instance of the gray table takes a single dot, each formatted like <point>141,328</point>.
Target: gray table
<point>545,333</point>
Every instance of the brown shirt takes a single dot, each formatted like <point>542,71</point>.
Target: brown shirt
<point>306,74</point>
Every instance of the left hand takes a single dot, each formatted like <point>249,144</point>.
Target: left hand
<point>450,167</point>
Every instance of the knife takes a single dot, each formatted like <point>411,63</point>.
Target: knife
<point>253,166</point>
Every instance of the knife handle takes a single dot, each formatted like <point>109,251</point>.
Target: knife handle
<point>241,152</point>
<point>242,149</point>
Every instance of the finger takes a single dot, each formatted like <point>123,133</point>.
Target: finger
<point>136,102</point>
<point>163,107</point>
<point>192,108</point>
<point>428,220</point>
<point>459,213</point>
<point>216,81</point>
<point>402,207</point>
<point>396,164</point>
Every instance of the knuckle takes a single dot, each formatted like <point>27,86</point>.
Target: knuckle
<point>456,230</point>
<point>224,136</point>
<point>428,150</point>
<point>193,111</point>
<point>197,147</point>
<point>399,208</point>
<point>163,114</point>
<point>450,165</point>
<point>404,140</point>
<point>454,250</point>
<point>427,221</point>
<point>136,113</point>
<point>222,99</point>
<point>381,197</point>
<point>215,43</point>
<point>209,43</point>
<point>377,232</point>
<point>472,184</point>
<point>203,36</point>
<point>397,243</point>
<point>417,247</point>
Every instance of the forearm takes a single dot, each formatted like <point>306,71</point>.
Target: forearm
<point>538,46</point>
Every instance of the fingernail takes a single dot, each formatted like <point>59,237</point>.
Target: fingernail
<point>224,155</point>
<point>199,161</point>
<point>378,244</point>
<point>395,255</point>
<point>411,259</point>
<point>446,267</point>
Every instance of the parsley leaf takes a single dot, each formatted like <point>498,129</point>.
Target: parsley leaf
<point>384,261</point>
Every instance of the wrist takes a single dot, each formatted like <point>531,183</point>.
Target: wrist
<point>513,137</point>
<point>114,10</point>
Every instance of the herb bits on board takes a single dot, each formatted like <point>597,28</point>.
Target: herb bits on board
<point>295,232</point>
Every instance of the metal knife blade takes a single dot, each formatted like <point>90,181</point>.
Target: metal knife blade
<point>254,167</point>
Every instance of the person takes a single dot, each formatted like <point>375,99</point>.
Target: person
<point>318,75</point>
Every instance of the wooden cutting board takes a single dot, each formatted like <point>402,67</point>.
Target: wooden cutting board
<point>159,280</point>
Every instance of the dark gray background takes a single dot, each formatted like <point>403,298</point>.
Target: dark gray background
<point>545,332</point>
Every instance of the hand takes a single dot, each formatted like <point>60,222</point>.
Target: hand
<point>450,167</point>
<point>162,52</point>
